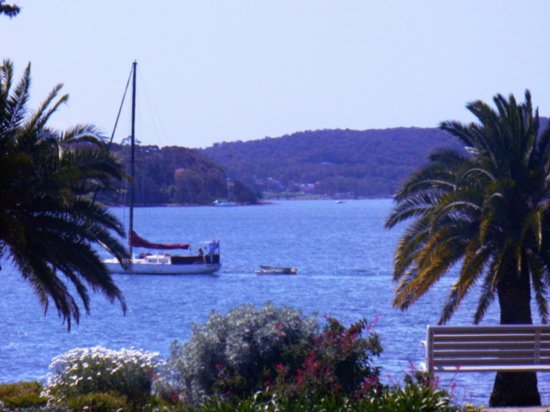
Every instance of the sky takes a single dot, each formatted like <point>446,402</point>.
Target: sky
<point>212,71</point>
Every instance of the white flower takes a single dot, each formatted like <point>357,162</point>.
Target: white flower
<point>99,366</point>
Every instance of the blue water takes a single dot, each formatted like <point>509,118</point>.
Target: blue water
<point>344,260</point>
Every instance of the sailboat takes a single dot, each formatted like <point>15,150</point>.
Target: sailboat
<point>155,260</point>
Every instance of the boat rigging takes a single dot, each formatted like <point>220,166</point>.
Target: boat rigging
<point>207,258</point>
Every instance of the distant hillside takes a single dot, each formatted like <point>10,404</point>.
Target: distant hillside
<point>339,163</point>
<point>178,175</point>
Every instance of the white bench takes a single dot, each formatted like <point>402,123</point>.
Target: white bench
<point>521,348</point>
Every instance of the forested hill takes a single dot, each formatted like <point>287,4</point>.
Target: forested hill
<point>339,163</point>
<point>177,175</point>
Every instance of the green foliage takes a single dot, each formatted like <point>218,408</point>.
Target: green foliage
<point>98,402</point>
<point>472,408</point>
<point>413,397</point>
<point>335,362</point>
<point>48,181</point>
<point>178,175</point>
<point>10,10</point>
<point>251,349</point>
<point>265,402</point>
<point>236,354</point>
<point>418,394</point>
<point>83,371</point>
<point>21,395</point>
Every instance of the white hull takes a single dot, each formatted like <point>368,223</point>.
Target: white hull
<point>271,270</point>
<point>142,267</point>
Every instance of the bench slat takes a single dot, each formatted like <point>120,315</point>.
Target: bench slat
<point>488,348</point>
<point>489,352</point>
<point>458,362</point>
<point>481,345</point>
<point>502,368</point>
<point>491,328</point>
<point>487,338</point>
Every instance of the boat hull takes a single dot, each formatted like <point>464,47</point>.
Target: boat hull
<point>140,267</point>
<point>270,270</point>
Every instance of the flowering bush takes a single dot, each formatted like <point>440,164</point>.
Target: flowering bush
<point>82,371</point>
<point>279,349</point>
<point>236,354</point>
<point>389,400</point>
<point>338,361</point>
<point>417,395</point>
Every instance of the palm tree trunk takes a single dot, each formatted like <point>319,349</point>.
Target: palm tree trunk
<point>515,388</point>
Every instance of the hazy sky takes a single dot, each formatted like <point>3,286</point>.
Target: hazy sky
<point>212,71</point>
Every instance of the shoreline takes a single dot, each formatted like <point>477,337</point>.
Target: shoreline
<point>264,202</point>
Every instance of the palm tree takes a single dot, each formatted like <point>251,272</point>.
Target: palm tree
<point>10,10</point>
<point>49,222</point>
<point>487,210</point>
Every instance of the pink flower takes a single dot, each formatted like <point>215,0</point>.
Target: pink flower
<point>279,329</point>
<point>373,323</point>
<point>453,387</point>
<point>300,376</point>
<point>369,382</point>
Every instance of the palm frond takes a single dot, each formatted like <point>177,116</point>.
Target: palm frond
<point>537,270</point>
<point>48,179</point>
<point>414,206</point>
<point>475,260</point>
<point>486,297</point>
<point>433,261</point>
<point>410,246</point>
<point>47,108</point>
<point>10,10</point>
<point>14,109</point>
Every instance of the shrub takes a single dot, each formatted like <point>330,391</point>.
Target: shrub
<point>276,404</point>
<point>394,400</point>
<point>250,349</point>
<point>338,361</point>
<point>410,398</point>
<point>97,402</point>
<point>84,371</point>
<point>415,398</point>
<point>21,395</point>
<point>420,393</point>
<point>237,354</point>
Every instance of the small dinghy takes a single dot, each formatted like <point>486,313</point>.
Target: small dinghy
<point>273,270</point>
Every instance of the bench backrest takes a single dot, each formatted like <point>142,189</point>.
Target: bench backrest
<point>488,348</point>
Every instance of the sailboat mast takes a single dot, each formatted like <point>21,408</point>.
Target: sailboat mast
<point>132,156</point>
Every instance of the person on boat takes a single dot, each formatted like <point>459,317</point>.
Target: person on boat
<point>213,247</point>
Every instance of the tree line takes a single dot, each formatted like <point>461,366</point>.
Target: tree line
<point>175,175</point>
<point>339,163</point>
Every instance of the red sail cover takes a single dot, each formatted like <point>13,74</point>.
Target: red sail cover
<point>138,241</point>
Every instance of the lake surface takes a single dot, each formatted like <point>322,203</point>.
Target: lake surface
<point>344,260</point>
